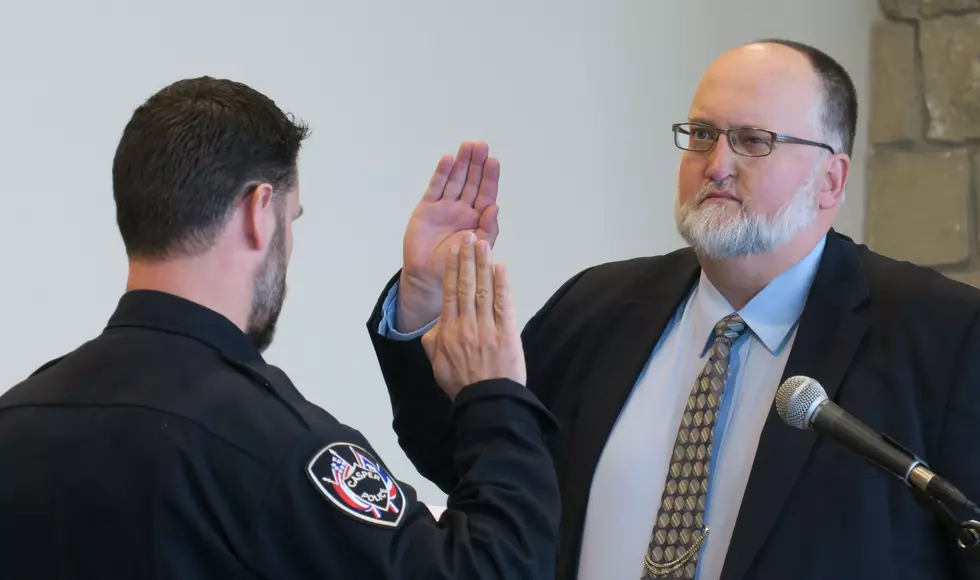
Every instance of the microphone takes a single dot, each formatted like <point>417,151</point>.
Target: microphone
<point>802,403</point>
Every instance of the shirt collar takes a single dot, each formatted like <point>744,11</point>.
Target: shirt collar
<point>169,313</point>
<point>771,314</point>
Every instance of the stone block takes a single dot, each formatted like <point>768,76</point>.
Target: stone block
<point>896,96</point>
<point>976,192</point>
<point>901,9</point>
<point>936,7</point>
<point>950,47</point>
<point>909,9</point>
<point>918,205</point>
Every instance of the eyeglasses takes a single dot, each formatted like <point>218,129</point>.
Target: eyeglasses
<point>747,141</point>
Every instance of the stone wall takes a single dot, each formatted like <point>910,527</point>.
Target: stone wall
<point>923,180</point>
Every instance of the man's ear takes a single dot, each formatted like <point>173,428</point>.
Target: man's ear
<point>260,216</point>
<point>833,181</point>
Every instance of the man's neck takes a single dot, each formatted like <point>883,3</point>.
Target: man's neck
<point>740,279</point>
<point>199,280</point>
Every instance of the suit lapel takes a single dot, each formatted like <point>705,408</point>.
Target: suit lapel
<point>625,341</point>
<point>830,331</point>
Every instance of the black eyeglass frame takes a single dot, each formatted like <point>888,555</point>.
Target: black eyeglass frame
<point>776,138</point>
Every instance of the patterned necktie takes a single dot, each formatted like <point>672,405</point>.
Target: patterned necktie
<point>679,529</point>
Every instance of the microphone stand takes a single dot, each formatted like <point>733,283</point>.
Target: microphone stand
<point>966,533</point>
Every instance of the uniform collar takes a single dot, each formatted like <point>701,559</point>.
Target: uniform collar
<point>165,312</point>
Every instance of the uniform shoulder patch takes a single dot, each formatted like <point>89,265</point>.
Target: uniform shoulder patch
<point>356,483</point>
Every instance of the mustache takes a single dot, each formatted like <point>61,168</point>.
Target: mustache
<point>707,189</point>
<point>713,187</point>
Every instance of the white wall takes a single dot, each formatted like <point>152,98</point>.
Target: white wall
<point>575,98</point>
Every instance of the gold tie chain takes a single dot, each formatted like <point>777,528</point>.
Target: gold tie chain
<point>665,568</point>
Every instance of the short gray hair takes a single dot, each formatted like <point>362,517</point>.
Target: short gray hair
<point>839,110</point>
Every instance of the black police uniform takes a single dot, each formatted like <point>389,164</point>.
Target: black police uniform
<point>167,448</point>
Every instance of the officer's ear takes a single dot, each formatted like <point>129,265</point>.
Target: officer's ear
<point>260,216</point>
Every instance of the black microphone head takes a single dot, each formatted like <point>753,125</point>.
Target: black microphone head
<point>796,400</point>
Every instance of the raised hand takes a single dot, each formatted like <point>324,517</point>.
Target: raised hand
<point>461,199</point>
<point>477,337</point>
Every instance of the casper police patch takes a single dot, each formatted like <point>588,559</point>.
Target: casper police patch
<point>354,481</point>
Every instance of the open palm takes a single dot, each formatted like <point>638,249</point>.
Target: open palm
<point>461,198</point>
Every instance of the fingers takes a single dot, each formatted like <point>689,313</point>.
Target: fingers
<point>439,178</point>
<point>503,305</point>
<point>487,194</point>
<point>457,176</point>
<point>466,285</point>
<point>450,283</point>
<point>484,285</point>
<point>474,175</point>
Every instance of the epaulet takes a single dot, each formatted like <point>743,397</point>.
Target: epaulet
<point>47,365</point>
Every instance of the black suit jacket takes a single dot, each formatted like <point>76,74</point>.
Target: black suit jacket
<point>896,345</point>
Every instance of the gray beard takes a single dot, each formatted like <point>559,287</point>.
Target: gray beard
<point>712,231</point>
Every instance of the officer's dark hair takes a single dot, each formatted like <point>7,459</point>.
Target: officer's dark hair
<point>189,154</point>
<point>840,104</point>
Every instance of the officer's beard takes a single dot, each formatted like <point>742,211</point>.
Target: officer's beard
<point>270,291</point>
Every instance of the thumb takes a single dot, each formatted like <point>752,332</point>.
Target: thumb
<point>488,227</point>
<point>429,341</point>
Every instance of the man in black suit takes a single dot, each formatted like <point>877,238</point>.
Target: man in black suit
<point>662,370</point>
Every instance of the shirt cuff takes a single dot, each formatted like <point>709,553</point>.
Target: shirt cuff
<point>388,314</point>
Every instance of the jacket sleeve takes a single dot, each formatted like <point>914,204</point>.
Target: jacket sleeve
<point>422,413</point>
<point>334,510</point>
<point>959,457</point>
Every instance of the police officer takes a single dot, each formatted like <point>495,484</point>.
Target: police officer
<point>166,447</point>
